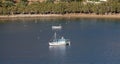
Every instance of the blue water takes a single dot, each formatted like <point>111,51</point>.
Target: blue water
<point>93,41</point>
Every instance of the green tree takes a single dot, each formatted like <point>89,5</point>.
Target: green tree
<point>20,7</point>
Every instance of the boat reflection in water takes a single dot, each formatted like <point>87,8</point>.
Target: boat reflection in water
<point>57,50</point>
<point>57,54</point>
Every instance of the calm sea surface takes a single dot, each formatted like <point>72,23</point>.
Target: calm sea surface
<point>93,41</point>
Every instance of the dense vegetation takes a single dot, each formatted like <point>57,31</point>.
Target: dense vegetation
<point>8,7</point>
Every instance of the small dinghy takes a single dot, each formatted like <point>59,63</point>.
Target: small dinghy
<point>57,27</point>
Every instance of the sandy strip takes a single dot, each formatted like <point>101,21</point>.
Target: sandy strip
<point>93,16</point>
<point>60,15</point>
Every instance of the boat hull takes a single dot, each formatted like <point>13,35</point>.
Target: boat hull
<point>56,43</point>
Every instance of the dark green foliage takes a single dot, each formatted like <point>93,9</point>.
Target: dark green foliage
<point>64,7</point>
<point>24,0</point>
<point>94,0</point>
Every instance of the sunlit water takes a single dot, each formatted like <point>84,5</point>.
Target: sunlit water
<point>93,41</point>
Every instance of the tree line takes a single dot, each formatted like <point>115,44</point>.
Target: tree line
<point>23,7</point>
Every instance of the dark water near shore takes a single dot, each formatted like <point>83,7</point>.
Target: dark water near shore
<point>93,41</point>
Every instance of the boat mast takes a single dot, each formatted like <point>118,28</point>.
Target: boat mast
<point>55,35</point>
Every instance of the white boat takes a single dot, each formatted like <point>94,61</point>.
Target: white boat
<point>59,41</point>
<point>57,27</point>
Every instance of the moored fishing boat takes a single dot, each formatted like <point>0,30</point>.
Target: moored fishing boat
<point>59,41</point>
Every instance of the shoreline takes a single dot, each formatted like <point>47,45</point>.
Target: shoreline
<point>72,15</point>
